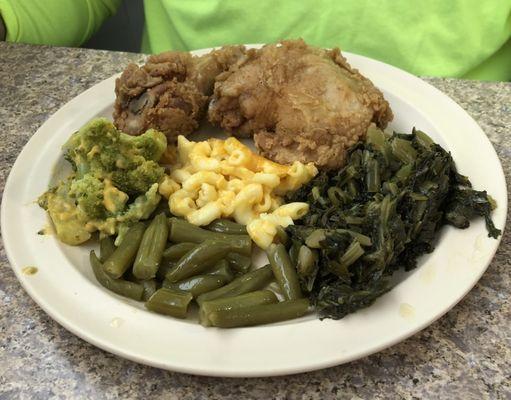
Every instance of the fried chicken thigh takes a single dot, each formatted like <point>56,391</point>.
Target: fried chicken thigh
<point>298,102</point>
<point>170,92</point>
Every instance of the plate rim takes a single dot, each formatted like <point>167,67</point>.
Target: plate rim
<point>309,366</point>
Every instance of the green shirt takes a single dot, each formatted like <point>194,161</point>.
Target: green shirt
<point>458,38</point>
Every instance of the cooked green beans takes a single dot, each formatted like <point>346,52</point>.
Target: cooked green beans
<point>243,284</point>
<point>197,285</point>
<point>182,231</point>
<point>275,288</point>
<point>228,227</point>
<point>238,262</point>
<point>164,267</point>
<point>169,302</point>
<point>176,251</point>
<point>256,298</point>
<point>284,272</point>
<point>124,288</point>
<point>222,269</point>
<point>150,286</point>
<point>202,264</point>
<point>106,248</point>
<point>198,260</point>
<point>260,314</point>
<point>151,248</point>
<point>122,258</point>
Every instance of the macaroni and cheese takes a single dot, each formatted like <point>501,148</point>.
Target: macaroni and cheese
<point>225,179</point>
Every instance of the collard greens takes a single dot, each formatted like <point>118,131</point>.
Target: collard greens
<point>379,213</point>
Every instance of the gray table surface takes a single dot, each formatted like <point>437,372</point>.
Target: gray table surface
<point>466,354</point>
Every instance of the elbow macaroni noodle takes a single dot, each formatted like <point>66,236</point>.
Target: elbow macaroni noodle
<point>225,179</point>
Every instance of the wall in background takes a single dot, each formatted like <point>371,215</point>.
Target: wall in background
<point>123,31</point>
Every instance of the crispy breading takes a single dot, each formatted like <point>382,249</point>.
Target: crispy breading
<point>298,102</point>
<point>170,92</point>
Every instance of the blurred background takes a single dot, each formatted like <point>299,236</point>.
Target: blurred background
<point>123,31</point>
<point>459,38</point>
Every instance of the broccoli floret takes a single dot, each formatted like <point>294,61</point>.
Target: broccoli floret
<point>138,179</point>
<point>69,220</point>
<point>141,208</point>
<point>100,149</point>
<point>88,195</point>
<point>82,149</point>
<point>151,145</point>
<point>115,181</point>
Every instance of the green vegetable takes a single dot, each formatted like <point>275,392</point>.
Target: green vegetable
<point>228,227</point>
<point>307,267</point>
<point>198,284</point>
<point>352,254</point>
<point>165,266</point>
<point>151,248</point>
<point>249,282</point>
<point>222,269</point>
<point>114,182</point>
<point>130,162</point>
<point>150,286</point>
<point>182,231</point>
<point>293,252</point>
<point>284,271</point>
<point>238,262</point>
<point>378,214</point>
<point>68,219</point>
<point>106,248</point>
<point>124,288</point>
<point>176,251</point>
<point>465,204</point>
<point>169,302</point>
<point>281,236</point>
<point>198,260</point>
<point>124,255</point>
<point>140,209</point>
<point>256,298</point>
<point>260,314</point>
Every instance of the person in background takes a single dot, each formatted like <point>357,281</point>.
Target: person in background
<point>456,38</point>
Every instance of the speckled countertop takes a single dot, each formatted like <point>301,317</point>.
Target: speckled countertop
<point>464,355</point>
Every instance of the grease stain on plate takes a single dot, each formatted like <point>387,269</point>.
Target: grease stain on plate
<point>29,270</point>
<point>116,322</point>
<point>428,274</point>
<point>479,252</point>
<point>407,311</point>
<point>479,243</point>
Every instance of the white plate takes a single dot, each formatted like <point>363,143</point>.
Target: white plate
<point>65,288</point>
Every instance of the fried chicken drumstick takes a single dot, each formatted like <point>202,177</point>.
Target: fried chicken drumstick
<point>170,92</point>
<point>298,102</point>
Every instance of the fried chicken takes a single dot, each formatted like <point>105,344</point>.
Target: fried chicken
<point>299,103</point>
<point>170,92</point>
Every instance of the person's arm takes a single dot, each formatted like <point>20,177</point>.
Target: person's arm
<point>55,22</point>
